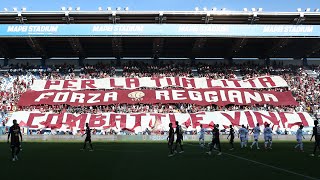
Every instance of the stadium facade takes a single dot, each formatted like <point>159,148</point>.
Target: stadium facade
<point>92,36</point>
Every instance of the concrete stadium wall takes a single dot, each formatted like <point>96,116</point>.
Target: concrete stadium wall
<point>135,138</point>
<point>288,62</point>
<point>62,61</point>
<point>150,61</point>
<point>314,62</point>
<point>25,61</point>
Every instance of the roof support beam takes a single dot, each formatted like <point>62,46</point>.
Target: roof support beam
<point>74,41</point>
<point>4,53</point>
<point>77,47</point>
<point>282,43</point>
<point>314,50</point>
<point>117,47</point>
<point>114,18</point>
<point>237,46</point>
<point>21,19</point>
<point>160,18</point>
<point>37,48</point>
<point>254,18</point>
<point>198,45</point>
<point>207,19</point>
<point>157,47</point>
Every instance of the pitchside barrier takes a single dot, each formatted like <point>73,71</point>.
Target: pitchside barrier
<point>138,138</point>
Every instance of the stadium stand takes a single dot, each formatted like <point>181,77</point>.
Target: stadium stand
<point>27,58</point>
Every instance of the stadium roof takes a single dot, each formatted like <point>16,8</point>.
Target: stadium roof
<point>168,17</point>
<point>179,47</point>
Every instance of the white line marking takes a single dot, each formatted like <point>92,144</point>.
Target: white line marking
<point>263,164</point>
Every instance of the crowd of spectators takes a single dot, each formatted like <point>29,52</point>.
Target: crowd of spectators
<point>19,78</point>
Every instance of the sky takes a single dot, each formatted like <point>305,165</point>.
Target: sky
<point>161,5</point>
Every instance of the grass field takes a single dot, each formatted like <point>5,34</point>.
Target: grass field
<point>149,161</point>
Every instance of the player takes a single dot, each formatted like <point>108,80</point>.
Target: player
<point>88,138</point>
<point>15,145</point>
<point>316,134</point>
<point>256,132</point>
<point>201,137</point>
<point>215,140</point>
<point>170,140</point>
<point>179,140</point>
<point>231,135</point>
<point>299,136</point>
<point>243,132</point>
<point>267,137</point>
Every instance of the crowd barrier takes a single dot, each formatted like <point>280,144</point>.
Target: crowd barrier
<point>135,138</point>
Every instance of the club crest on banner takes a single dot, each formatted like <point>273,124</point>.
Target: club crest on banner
<point>136,95</point>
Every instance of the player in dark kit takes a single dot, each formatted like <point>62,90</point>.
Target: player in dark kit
<point>15,133</point>
<point>215,140</point>
<point>88,137</point>
<point>179,140</point>
<point>316,134</point>
<point>170,140</point>
<point>231,135</point>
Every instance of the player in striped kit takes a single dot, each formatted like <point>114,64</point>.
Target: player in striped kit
<point>299,136</point>
<point>256,132</point>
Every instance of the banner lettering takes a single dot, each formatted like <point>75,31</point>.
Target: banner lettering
<point>218,96</point>
<point>157,82</point>
<point>140,121</point>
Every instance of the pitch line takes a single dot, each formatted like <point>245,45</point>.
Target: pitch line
<point>263,164</point>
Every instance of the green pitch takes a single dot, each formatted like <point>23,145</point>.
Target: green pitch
<point>149,161</point>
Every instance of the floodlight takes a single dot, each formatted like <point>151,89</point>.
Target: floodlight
<point>196,9</point>
<point>63,8</point>
<point>316,10</point>
<point>23,9</point>
<point>214,9</point>
<point>308,10</point>
<point>205,9</point>
<point>245,9</point>
<point>109,8</point>
<point>299,9</point>
<point>77,8</point>
<point>69,8</point>
<point>126,8</point>
<point>100,9</point>
<point>118,9</point>
<point>260,9</point>
<point>223,9</point>
<point>253,9</point>
<point>15,9</point>
<point>5,9</point>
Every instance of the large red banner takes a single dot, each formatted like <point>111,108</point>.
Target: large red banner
<point>140,121</point>
<point>158,82</point>
<point>218,96</point>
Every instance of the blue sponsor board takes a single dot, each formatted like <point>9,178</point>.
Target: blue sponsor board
<point>176,30</point>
